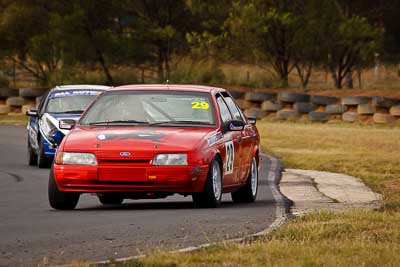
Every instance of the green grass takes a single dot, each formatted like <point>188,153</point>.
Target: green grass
<point>13,119</point>
<point>355,238</point>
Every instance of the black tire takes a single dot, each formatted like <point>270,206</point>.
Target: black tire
<point>32,157</point>
<point>350,116</point>
<point>395,110</point>
<point>61,200</point>
<point>8,92</point>
<point>208,198</point>
<point>384,102</point>
<point>248,193</point>
<point>323,100</point>
<point>293,97</point>
<point>355,100</point>
<point>43,161</point>
<point>271,106</point>
<point>319,116</point>
<point>383,118</point>
<point>4,109</point>
<point>259,97</point>
<point>15,101</point>
<point>336,109</point>
<point>32,92</point>
<point>365,109</point>
<point>110,199</point>
<point>303,108</point>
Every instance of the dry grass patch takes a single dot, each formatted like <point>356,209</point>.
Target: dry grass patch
<point>14,119</point>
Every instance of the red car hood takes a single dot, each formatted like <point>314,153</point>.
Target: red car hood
<point>111,141</point>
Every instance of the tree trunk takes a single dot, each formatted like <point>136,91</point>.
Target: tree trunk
<point>160,66</point>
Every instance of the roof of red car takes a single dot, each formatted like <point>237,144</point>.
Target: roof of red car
<point>162,87</point>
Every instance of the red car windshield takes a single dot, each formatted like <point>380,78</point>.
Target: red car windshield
<point>151,107</point>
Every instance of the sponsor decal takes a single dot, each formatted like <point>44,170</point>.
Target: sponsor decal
<point>147,135</point>
<point>230,157</point>
<point>75,93</point>
<point>213,139</point>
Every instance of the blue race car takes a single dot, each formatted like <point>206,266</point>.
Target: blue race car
<point>61,102</point>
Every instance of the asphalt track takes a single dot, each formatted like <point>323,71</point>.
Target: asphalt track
<point>32,233</point>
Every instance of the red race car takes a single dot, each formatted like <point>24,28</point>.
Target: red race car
<point>152,141</point>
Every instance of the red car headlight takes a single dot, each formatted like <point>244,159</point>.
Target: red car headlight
<point>170,160</point>
<point>75,158</point>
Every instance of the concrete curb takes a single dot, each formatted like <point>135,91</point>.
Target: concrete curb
<point>316,190</point>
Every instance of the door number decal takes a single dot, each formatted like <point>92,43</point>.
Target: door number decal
<point>230,156</point>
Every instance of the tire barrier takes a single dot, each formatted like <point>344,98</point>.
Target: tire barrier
<point>323,100</point>
<point>293,97</point>
<point>365,109</point>
<point>4,109</point>
<point>259,97</point>
<point>395,110</point>
<point>283,105</point>
<point>8,92</point>
<point>318,116</point>
<point>255,112</point>
<point>384,102</point>
<point>383,118</point>
<point>303,107</point>
<point>271,106</point>
<point>286,114</point>
<point>32,92</point>
<point>355,100</point>
<point>336,109</point>
<point>350,116</point>
<point>15,101</point>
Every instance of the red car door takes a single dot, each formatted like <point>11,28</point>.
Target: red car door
<point>231,164</point>
<point>245,137</point>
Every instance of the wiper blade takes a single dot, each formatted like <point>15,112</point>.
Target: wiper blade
<point>69,112</point>
<point>118,121</point>
<point>181,122</point>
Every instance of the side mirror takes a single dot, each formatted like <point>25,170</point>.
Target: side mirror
<point>236,125</point>
<point>252,120</point>
<point>67,124</point>
<point>32,112</point>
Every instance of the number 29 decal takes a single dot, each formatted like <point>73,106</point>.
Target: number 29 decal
<point>230,156</point>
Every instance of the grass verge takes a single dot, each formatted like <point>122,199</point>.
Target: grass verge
<point>364,238</point>
<point>19,119</point>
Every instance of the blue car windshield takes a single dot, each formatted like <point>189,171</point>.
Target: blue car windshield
<point>70,102</point>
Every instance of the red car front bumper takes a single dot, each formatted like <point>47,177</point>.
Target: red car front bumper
<point>100,179</point>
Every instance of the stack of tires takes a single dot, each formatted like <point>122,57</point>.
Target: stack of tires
<point>32,96</point>
<point>326,108</point>
<point>14,101</point>
<point>358,108</point>
<point>254,104</point>
<point>293,105</point>
<point>387,110</point>
<point>9,101</point>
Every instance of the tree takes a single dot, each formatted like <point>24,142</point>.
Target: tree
<point>161,25</point>
<point>350,42</point>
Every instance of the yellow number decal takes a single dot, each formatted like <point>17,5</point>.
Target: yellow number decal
<point>200,105</point>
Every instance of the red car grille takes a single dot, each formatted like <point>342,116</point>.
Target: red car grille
<point>118,173</point>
